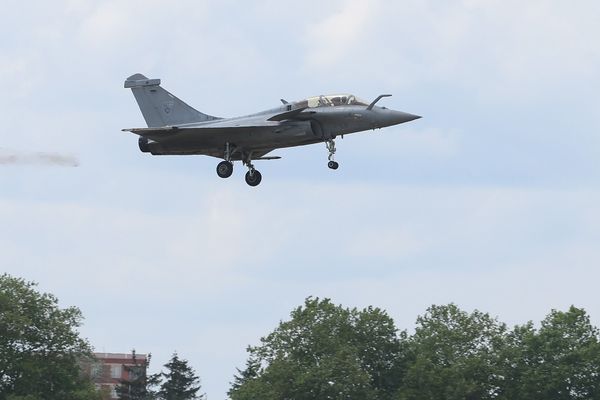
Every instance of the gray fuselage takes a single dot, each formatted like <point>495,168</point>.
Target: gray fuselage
<point>256,133</point>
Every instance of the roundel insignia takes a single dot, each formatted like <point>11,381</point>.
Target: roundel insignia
<point>167,107</point>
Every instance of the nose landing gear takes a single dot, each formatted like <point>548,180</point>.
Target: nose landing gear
<point>331,148</point>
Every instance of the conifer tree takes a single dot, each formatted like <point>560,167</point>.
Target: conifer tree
<point>181,382</point>
<point>135,386</point>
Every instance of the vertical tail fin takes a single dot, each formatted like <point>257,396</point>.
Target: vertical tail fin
<point>159,107</point>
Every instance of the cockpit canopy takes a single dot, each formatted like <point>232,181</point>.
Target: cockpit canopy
<point>331,100</point>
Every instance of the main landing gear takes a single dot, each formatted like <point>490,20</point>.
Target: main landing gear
<point>253,177</point>
<point>225,168</point>
<point>331,148</point>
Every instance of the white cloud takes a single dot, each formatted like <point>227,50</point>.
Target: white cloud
<point>331,41</point>
<point>504,49</point>
<point>218,234</point>
<point>388,244</point>
<point>20,74</point>
<point>112,24</point>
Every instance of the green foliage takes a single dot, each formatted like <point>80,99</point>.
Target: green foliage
<point>453,355</point>
<point>40,348</point>
<point>559,361</point>
<point>181,382</point>
<point>328,352</point>
<point>324,352</point>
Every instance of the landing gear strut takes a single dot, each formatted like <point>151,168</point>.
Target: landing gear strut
<point>225,168</point>
<point>253,177</point>
<point>331,148</point>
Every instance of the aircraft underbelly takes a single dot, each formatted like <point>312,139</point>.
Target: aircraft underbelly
<point>247,139</point>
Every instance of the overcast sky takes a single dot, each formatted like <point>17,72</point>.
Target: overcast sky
<point>490,201</point>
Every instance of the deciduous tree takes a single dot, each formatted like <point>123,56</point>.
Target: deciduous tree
<point>454,355</point>
<point>559,361</point>
<point>40,347</point>
<point>324,351</point>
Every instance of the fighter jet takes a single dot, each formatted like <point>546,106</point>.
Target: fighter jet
<point>175,128</point>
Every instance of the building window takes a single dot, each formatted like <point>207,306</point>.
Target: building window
<point>115,371</point>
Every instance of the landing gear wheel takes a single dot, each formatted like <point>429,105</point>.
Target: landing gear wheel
<point>333,165</point>
<point>253,177</point>
<point>225,169</point>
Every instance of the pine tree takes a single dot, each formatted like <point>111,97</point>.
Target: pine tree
<point>251,372</point>
<point>181,382</point>
<point>135,387</point>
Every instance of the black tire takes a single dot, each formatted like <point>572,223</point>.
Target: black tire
<point>253,178</point>
<point>225,169</point>
<point>333,165</point>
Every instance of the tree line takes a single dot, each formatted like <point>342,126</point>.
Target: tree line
<point>326,351</point>
<point>323,351</point>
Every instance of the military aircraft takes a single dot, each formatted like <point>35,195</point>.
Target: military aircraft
<point>175,128</point>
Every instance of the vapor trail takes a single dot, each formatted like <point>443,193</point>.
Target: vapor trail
<point>48,159</point>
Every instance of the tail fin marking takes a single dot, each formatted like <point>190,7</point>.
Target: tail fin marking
<point>159,107</point>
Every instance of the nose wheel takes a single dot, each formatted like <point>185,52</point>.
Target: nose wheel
<point>331,149</point>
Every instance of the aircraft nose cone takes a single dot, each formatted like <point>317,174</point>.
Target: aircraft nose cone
<point>400,117</point>
<point>393,117</point>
